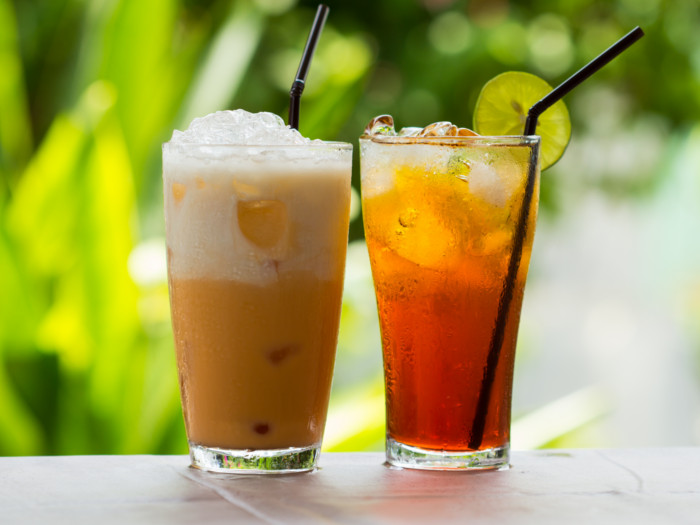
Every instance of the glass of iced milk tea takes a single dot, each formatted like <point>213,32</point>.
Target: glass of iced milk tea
<point>257,229</point>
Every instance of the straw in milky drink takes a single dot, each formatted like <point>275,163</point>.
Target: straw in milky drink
<point>300,78</point>
<point>514,264</point>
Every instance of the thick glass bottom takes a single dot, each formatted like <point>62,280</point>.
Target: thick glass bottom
<point>406,456</point>
<point>277,461</point>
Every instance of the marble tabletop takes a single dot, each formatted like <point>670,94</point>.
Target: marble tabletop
<point>640,486</point>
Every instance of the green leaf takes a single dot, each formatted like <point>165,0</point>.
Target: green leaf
<point>15,127</point>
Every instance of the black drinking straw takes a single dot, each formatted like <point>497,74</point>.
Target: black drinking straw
<point>300,78</point>
<point>498,333</point>
<point>582,74</point>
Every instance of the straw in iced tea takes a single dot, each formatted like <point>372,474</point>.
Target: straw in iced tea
<point>440,216</point>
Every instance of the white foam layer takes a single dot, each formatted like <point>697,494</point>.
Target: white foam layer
<point>239,127</point>
<point>250,217</point>
<point>233,158</point>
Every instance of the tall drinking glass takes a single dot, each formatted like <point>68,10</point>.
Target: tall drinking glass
<point>449,224</point>
<point>256,240</point>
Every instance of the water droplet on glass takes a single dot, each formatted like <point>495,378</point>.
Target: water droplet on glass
<point>408,217</point>
<point>460,168</point>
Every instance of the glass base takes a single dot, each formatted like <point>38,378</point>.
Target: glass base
<point>406,456</point>
<point>277,461</point>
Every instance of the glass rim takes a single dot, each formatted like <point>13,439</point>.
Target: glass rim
<point>340,146</point>
<point>481,140</point>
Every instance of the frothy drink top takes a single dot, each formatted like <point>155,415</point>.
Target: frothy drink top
<point>239,127</point>
<point>247,198</point>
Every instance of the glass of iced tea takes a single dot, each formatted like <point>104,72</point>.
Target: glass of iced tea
<point>449,231</point>
<point>256,230</point>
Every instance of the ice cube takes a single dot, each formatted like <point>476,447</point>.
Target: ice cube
<point>421,237</point>
<point>263,222</point>
<point>466,132</point>
<point>245,191</point>
<point>381,125</point>
<point>410,132</point>
<point>239,127</point>
<point>384,125</point>
<point>179,191</point>
<point>459,167</point>
<point>495,186</point>
<point>494,242</point>
<point>439,129</point>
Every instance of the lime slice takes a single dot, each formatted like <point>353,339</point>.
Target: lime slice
<point>502,110</point>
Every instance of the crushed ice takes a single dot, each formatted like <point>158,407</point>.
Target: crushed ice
<point>240,127</point>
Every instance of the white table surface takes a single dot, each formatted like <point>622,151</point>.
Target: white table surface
<point>640,486</point>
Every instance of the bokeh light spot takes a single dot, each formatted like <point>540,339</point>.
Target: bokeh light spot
<point>549,43</point>
<point>506,43</point>
<point>419,108</point>
<point>275,7</point>
<point>450,33</point>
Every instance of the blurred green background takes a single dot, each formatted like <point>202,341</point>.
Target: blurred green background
<point>609,350</point>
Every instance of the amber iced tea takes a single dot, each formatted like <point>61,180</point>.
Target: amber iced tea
<point>440,217</point>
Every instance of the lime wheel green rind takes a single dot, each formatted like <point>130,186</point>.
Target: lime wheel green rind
<point>502,107</point>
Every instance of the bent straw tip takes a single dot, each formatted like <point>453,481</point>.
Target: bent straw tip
<point>589,69</point>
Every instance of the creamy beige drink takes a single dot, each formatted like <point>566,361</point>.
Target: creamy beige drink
<point>256,240</point>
